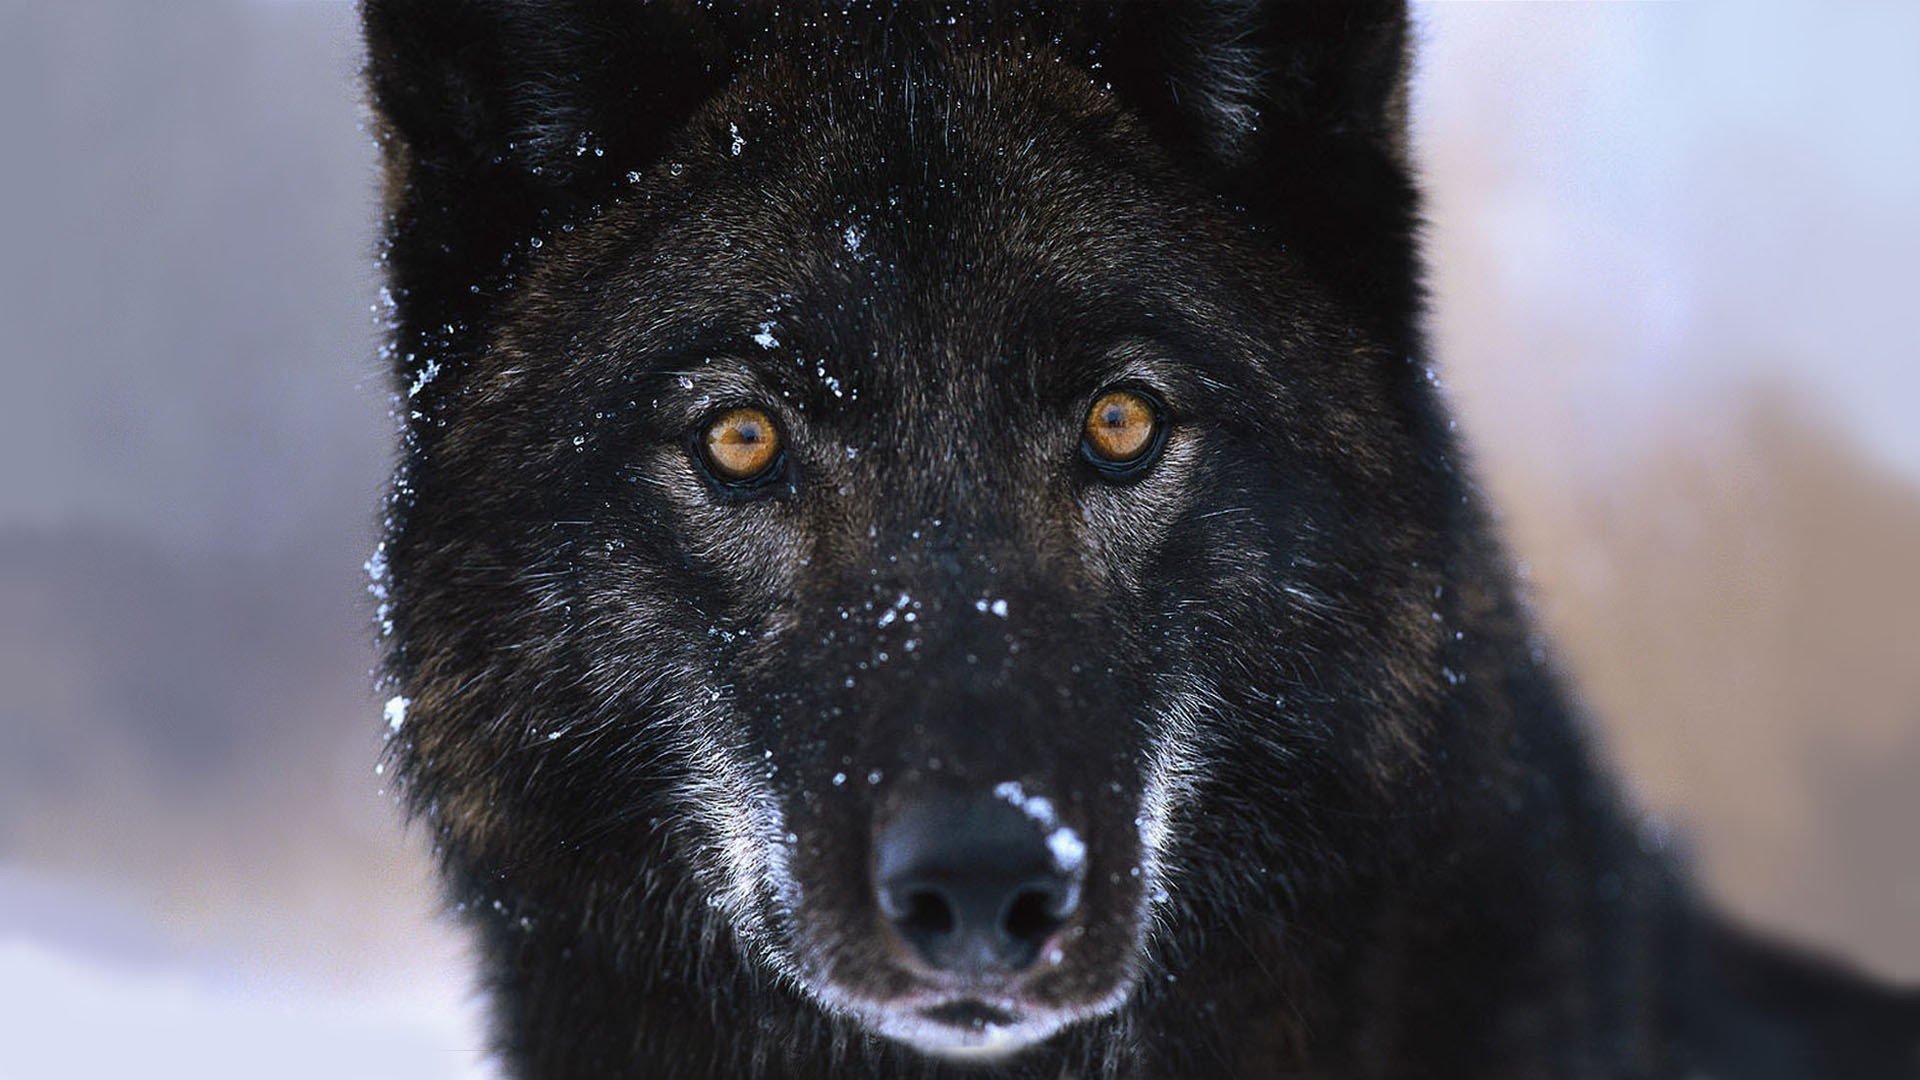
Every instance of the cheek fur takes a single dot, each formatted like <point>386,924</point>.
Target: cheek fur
<point>752,545</point>
<point>1124,526</point>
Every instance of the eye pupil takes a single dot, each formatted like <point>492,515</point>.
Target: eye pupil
<point>741,445</point>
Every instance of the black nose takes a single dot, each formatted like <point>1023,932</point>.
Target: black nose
<point>976,886</point>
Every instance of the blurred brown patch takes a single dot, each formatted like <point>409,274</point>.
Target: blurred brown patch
<point>1741,609</point>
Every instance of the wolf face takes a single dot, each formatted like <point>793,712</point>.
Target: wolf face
<point>884,491</point>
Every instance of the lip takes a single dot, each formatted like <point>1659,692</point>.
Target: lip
<point>978,1023</point>
<point>969,1013</point>
<point>967,1007</point>
<point>964,1027</point>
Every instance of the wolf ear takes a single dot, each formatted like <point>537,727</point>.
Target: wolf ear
<point>1296,109</point>
<point>1225,77</point>
<point>502,118</point>
<point>551,93</point>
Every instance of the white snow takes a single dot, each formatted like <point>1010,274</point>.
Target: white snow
<point>377,574</point>
<point>765,338</point>
<point>396,712</point>
<point>831,383</point>
<point>376,568</point>
<point>1069,851</point>
<point>902,604</point>
<point>1037,807</point>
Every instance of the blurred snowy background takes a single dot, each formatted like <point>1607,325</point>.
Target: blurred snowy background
<point>1674,280</point>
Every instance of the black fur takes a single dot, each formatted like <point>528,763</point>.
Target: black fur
<point>634,703</point>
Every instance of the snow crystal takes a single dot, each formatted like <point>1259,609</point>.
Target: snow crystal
<point>829,381</point>
<point>765,338</point>
<point>396,712</point>
<point>1069,851</point>
<point>1037,807</point>
<point>737,144</point>
<point>420,381</point>
<point>376,568</point>
<point>997,607</point>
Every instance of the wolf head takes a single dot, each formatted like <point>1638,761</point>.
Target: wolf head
<point>926,511</point>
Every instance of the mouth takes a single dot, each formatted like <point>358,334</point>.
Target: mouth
<point>971,1028</point>
<point>981,1017</point>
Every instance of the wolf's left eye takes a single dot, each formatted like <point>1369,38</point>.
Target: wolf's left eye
<point>1123,431</point>
<point>741,446</point>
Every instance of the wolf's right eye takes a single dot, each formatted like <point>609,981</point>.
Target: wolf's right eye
<point>741,446</point>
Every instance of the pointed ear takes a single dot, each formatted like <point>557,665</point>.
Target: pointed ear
<point>502,118</point>
<point>551,93</point>
<point>1214,75</point>
<point>1296,109</point>
<point>544,91</point>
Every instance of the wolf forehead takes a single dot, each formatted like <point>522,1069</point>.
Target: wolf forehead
<point>845,214</point>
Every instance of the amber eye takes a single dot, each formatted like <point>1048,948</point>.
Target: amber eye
<point>741,445</point>
<point>1123,430</point>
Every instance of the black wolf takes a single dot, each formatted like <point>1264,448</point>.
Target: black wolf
<point>925,542</point>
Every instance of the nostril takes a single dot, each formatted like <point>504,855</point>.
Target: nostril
<point>1033,915</point>
<point>927,914</point>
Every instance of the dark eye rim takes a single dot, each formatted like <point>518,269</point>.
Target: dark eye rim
<point>696,439</point>
<point>1134,467</point>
